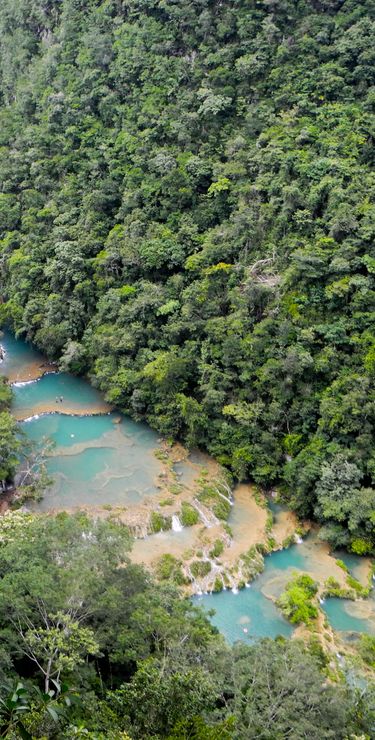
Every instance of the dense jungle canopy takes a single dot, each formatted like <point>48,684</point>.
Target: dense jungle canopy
<point>187,215</point>
<point>92,650</point>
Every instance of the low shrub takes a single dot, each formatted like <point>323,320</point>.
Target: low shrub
<point>189,515</point>
<point>217,549</point>
<point>159,523</point>
<point>296,601</point>
<point>200,568</point>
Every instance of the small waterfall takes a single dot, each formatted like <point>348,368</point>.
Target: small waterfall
<point>228,500</point>
<point>229,497</point>
<point>208,519</point>
<point>176,524</point>
<point>298,539</point>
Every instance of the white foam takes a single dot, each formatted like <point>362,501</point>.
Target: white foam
<point>21,383</point>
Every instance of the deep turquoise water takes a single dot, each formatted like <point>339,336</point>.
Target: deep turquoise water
<point>98,461</point>
<point>245,616</point>
<point>341,620</point>
<point>66,431</point>
<point>78,395</point>
<point>249,614</point>
<point>18,354</point>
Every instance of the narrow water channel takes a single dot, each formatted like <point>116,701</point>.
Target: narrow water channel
<point>103,458</point>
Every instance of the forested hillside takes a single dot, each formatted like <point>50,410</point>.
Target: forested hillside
<point>187,215</point>
<point>89,649</point>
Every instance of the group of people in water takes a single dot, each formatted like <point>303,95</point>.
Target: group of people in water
<point>59,399</point>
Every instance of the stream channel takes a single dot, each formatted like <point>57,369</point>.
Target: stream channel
<point>98,461</point>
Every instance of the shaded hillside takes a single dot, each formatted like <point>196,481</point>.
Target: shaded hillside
<point>186,213</point>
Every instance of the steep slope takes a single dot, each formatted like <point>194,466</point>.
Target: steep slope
<point>186,213</point>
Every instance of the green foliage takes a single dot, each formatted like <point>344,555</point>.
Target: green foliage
<point>296,601</point>
<point>218,549</point>
<point>143,662</point>
<point>10,448</point>
<point>221,509</point>
<point>361,591</point>
<point>186,214</point>
<point>200,568</point>
<point>189,515</point>
<point>197,729</point>
<point>169,568</point>
<point>332,588</point>
<point>361,547</point>
<point>342,565</point>
<point>366,649</point>
<point>160,523</point>
<point>269,682</point>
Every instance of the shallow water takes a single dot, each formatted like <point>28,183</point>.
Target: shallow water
<point>176,543</point>
<point>186,473</point>
<point>346,615</point>
<point>96,461</point>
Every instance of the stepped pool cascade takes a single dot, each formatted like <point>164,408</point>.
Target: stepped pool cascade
<point>110,469</point>
<point>98,458</point>
<point>56,393</point>
<point>251,613</point>
<point>106,459</point>
<point>96,461</point>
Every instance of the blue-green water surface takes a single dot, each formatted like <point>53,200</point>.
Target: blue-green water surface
<point>18,355</point>
<point>342,616</point>
<point>61,389</point>
<point>96,461</point>
<point>246,615</point>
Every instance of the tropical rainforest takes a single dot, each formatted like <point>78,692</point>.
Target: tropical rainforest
<point>187,216</point>
<point>90,647</point>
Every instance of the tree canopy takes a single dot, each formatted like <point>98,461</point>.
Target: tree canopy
<point>186,214</point>
<point>90,646</point>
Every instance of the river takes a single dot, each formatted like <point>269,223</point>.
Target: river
<point>101,458</point>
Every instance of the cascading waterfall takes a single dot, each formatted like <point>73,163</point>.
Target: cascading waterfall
<point>209,519</point>
<point>176,524</point>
